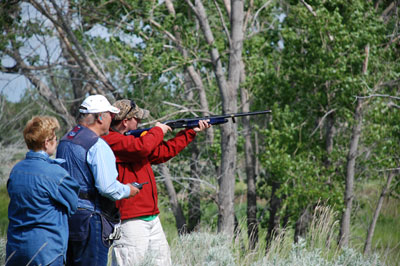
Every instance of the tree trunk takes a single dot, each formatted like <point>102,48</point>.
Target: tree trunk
<point>351,162</point>
<point>192,80</point>
<point>252,223</point>
<point>228,89</point>
<point>350,172</point>
<point>371,229</point>
<point>229,131</point>
<point>77,77</point>
<point>194,212</point>
<point>257,151</point>
<point>194,215</point>
<point>226,181</point>
<point>330,134</point>
<point>303,223</point>
<point>274,218</point>
<point>173,199</point>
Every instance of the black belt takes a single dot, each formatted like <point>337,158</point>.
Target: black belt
<point>87,196</point>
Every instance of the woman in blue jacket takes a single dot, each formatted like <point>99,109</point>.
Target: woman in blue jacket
<point>42,196</point>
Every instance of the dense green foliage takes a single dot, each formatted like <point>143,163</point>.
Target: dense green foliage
<point>318,75</point>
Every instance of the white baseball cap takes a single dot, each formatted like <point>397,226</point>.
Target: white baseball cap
<point>97,104</point>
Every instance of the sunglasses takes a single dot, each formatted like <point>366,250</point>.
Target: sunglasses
<point>133,105</point>
<point>53,138</point>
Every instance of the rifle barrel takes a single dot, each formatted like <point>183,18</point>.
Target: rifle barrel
<point>231,115</point>
<point>250,113</point>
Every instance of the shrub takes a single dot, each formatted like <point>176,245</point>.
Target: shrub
<point>2,250</point>
<point>319,248</point>
<point>9,155</point>
<point>202,248</point>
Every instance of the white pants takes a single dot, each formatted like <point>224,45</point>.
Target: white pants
<point>141,239</point>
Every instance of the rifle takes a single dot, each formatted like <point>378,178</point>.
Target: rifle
<point>193,122</point>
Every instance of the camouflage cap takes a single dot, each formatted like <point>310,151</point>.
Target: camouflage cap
<point>129,109</point>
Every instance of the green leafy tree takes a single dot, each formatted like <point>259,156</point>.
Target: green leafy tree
<point>333,52</point>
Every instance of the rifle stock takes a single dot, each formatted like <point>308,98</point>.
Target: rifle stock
<point>193,122</point>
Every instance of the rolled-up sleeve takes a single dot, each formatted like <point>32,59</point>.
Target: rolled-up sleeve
<point>102,162</point>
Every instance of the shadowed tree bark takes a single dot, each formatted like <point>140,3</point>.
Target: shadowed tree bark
<point>173,199</point>
<point>228,86</point>
<point>252,223</point>
<point>194,214</point>
<point>371,229</point>
<point>344,233</point>
<point>274,217</point>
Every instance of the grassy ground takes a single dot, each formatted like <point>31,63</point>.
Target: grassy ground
<point>319,249</point>
<point>386,239</point>
<point>4,199</point>
<point>9,156</point>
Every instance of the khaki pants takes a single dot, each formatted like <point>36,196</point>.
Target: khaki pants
<point>141,240</point>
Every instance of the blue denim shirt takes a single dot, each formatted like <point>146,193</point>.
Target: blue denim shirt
<point>42,196</point>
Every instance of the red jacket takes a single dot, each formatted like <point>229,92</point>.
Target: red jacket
<point>134,156</point>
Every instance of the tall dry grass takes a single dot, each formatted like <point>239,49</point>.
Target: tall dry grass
<point>318,248</point>
<point>9,155</point>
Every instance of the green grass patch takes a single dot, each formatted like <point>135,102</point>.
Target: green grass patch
<point>386,238</point>
<point>208,248</point>
<point>4,200</point>
<point>168,223</point>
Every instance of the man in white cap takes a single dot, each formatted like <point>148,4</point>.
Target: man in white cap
<point>91,162</point>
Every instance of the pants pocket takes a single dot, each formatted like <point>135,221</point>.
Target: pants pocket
<point>79,225</point>
<point>107,228</point>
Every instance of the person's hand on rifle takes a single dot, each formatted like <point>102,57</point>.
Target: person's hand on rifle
<point>203,124</point>
<point>163,127</point>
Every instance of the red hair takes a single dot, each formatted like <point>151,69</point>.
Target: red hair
<point>38,130</point>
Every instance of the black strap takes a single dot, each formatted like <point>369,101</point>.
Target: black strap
<point>87,196</point>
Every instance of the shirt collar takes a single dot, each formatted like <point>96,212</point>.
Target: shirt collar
<point>47,157</point>
<point>41,152</point>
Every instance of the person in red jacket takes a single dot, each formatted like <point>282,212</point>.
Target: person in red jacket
<point>141,230</point>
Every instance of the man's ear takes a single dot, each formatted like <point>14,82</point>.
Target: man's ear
<point>101,118</point>
<point>125,122</point>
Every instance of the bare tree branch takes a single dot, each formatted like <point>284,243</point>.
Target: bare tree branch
<point>227,4</point>
<point>68,45</point>
<point>322,120</point>
<point>209,37</point>
<point>255,17</point>
<point>42,87</point>
<point>221,17</point>
<point>365,63</point>
<point>167,33</point>
<point>309,8</point>
<point>388,9</point>
<point>248,13</point>
<point>85,58</point>
<point>378,95</point>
